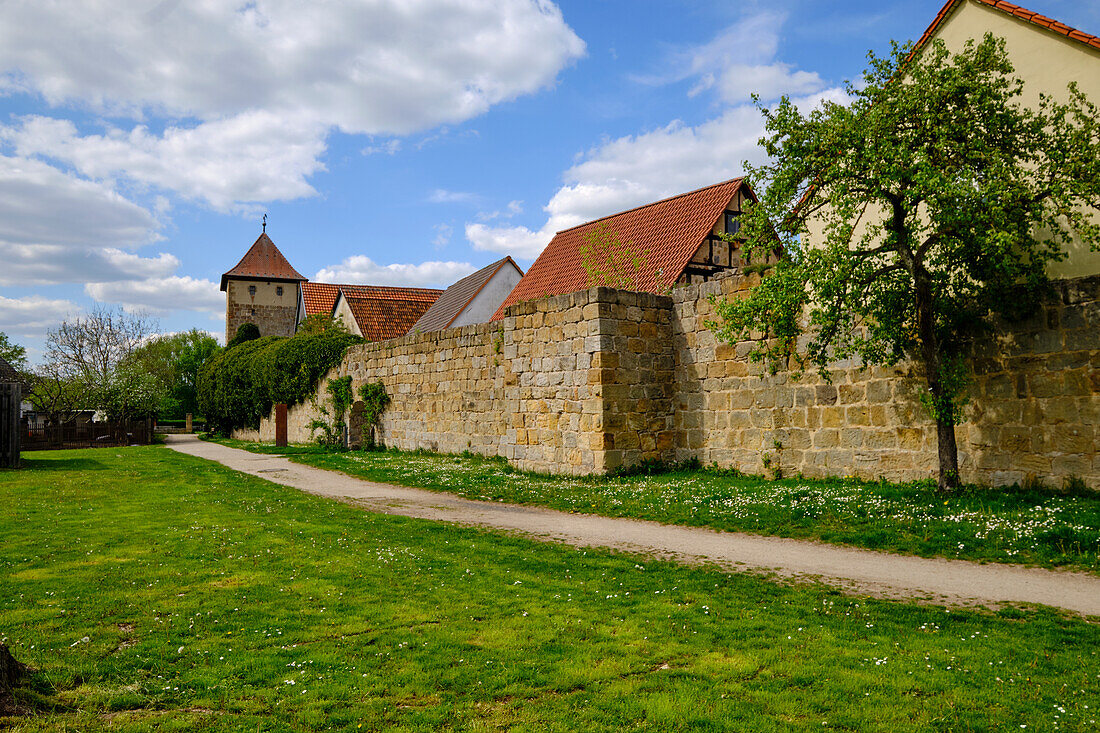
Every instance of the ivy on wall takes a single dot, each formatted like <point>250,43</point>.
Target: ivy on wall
<point>238,385</point>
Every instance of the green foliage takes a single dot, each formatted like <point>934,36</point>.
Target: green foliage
<point>612,263</point>
<point>12,353</point>
<point>238,385</point>
<point>322,323</point>
<point>175,361</point>
<point>245,332</point>
<point>230,392</point>
<point>332,424</point>
<point>291,371</point>
<point>203,592</point>
<point>131,394</point>
<point>910,215</point>
<point>375,400</point>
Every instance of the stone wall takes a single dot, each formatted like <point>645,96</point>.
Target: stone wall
<point>600,379</point>
<point>541,387</point>
<point>274,315</point>
<point>1034,403</point>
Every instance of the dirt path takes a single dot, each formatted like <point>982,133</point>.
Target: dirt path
<point>864,571</point>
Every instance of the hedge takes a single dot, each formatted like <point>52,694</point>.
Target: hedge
<point>238,385</point>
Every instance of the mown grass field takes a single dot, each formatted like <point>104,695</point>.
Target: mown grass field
<point>151,590</point>
<point>1033,526</point>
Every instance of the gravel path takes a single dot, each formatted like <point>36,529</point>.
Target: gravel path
<point>952,582</point>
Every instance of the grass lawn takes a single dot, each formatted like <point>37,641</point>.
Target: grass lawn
<point>1016,525</point>
<point>149,589</point>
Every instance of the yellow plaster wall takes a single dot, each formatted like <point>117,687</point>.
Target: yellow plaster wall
<point>1047,62</point>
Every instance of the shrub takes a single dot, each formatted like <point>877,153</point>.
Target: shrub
<point>245,332</point>
<point>332,423</point>
<point>238,386</point>
<point>375,401</point>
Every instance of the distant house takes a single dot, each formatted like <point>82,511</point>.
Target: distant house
<point>1046,55</point>
<point>378,313</point>
<point>473,299</point>
<point>264,289</point>
<point>670,242</point>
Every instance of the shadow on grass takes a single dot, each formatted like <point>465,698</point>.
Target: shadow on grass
<point>61,464</point>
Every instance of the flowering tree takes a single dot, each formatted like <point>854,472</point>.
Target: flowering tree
<point>940,199</point>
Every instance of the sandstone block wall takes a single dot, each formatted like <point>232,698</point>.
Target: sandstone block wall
<point>1034,402</point>
<point>540,388</point>
<point>589,382</point>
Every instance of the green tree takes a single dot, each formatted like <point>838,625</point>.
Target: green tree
<point>131,394</point>
<point>940,199</point>
<point>12,353</point>
<point>174,361</point>
<point>322,323</point>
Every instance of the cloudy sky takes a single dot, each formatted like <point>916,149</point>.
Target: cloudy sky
<point>404,142</point>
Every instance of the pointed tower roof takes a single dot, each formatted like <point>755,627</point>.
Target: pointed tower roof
<point>263,261</point>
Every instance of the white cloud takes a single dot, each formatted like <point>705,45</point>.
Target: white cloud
<point>389,148</point>
<point>442,236</point>
<point>252,157</point>
<point>513,208</point>
<point>740,62</point>
<point>360,269</point>
<point>252,90</point>
<point>161,295</point>
<point>55,227</point>
<point>40,204</point>
<point>379,66</point>
<point>443,196</point>
<point>637,169</point>
<point>28,316</point>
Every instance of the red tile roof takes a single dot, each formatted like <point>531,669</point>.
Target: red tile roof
<point>263,261</point>
<point>385,313</point>
<point>455,298</point>
<point>1014,10</point>
<point>319,297</point>
<point>665,234</point>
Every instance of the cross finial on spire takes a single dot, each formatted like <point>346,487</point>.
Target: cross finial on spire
<point>265,223</point>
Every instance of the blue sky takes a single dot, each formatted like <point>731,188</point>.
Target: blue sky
<point>404,142</point>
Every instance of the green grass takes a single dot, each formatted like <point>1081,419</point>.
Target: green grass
<point>1016,525</point>
<point>149,589</point>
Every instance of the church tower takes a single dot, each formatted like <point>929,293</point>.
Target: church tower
<point>262,289</point>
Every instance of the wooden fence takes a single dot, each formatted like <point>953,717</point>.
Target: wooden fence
<point>87,435</point>
<point>10,397</point>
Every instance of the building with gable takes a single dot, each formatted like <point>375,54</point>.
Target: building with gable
<point>473,299</point>
<point>262,289</point>
<point>1047,56</point>
<point>675,241</point>
<point>379,313</point>
<point>265,289</point>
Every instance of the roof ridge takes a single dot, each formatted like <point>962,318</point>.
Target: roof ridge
<point>352,286</point>
<point>1015,11</point>
<point>498,264</point>
<point>737,180</point>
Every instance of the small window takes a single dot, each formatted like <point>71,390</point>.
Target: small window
<point>252,290</point>
<point>733,223</point>
<point>279,290</point>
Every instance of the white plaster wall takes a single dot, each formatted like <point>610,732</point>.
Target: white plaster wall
<point>342,312</point>
<point>485,303</point>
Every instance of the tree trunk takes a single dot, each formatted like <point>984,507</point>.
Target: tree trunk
<point>948,452</point>
<point>943,408</point>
